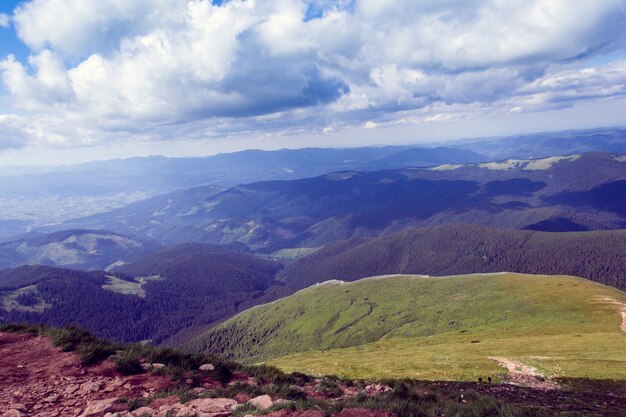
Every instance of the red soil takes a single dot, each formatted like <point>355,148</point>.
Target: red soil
<point>39,379</point>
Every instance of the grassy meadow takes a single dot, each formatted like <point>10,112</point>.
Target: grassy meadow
<point>435,328</point>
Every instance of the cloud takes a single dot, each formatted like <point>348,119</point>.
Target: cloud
<point>13,132</point>
<point>5,20</point>
<point>48,86</point>
<point>214,68</point>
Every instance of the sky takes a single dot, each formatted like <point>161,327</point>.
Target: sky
<point>83,80</point>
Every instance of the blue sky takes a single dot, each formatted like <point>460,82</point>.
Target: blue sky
<point>114,78</point>
<point>9,43</point>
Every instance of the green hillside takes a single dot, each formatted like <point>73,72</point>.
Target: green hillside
<point>434,328</point>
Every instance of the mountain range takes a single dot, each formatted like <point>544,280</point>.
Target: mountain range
<point>580,192</point>
<point>39,196</point>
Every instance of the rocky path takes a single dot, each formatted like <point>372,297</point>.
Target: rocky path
<point>38,379</point>
<point>524,375</point>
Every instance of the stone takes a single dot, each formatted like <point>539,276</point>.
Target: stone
<point>90,387</point>
<point>18,406</point>
<point>282,401</point>
<point>158,365</point>
<point>142,411</point>
<point>71,389</point>
<point>98,408</point>
<point>212,405</point>
<point>262,401</point>
<point>51,398</point>
<point>14,413</point>
<point>199,391</point>
<point>207,367</point>
<point>184,411</point>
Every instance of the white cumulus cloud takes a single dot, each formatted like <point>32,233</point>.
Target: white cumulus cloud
<point>245,65</point>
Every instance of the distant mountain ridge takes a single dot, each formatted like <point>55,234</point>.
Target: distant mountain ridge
<point>77,249</point>
<point>35,197</point>
<point>29,198</point>
<point>545,144</point>
<point>588,190</point>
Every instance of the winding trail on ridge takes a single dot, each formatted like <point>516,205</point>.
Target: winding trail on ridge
<point>524,375</point>
<point>620,306</point>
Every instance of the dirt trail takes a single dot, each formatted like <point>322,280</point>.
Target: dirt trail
<point>38,379</point>
<point>524,375</point>
<point>620,306</point>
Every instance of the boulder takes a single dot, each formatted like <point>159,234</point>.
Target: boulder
<point>143,411</point>
<point>88,387</point>
<point>212,405</point>
<point>207,367</point>
<point>262,401</point>
<point>98,408</point>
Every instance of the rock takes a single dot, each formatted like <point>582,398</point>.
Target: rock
<point>98,408</point>
<point>262,401</point>
<point>158,365</point>
<point>282,401</point>
<point>13,413</point>
<point>377,389</point>
<point>90,387</point>
<point>146,366</point>
<point>18,406</point>
<point>212,405</point>
<point>184,411</point>
<point>199,391</point>
<point>142,411</point>
<point>207,367</point>
<point>51,398</point>
<point>71,389</point>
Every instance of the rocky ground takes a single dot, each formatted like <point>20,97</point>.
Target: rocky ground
<point>39,379</point>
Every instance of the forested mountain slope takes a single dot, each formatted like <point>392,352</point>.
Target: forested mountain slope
<point>188,289</point>
<point>465,248</point>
